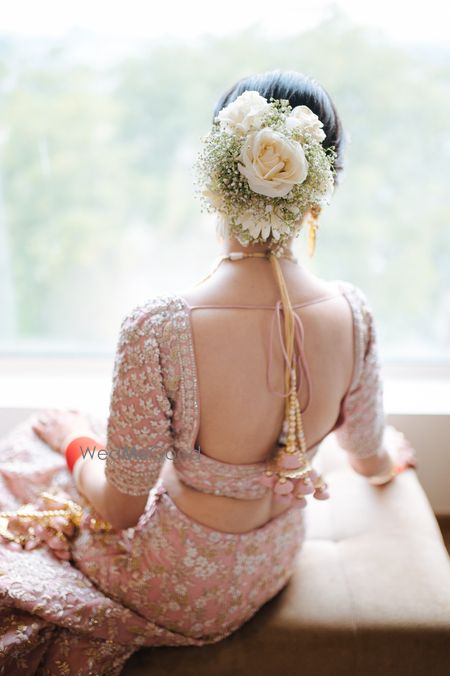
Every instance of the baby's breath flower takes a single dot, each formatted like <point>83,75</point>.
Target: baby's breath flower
<point>261,168</point>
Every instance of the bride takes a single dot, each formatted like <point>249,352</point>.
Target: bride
<point>175,520</point>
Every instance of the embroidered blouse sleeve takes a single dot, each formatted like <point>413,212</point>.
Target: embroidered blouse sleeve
<point>362,421</point>
<point>139,422</point>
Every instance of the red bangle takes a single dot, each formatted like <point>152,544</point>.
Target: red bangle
<point>76,448</point>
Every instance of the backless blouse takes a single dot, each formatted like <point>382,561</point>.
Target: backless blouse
<point>154,406</point>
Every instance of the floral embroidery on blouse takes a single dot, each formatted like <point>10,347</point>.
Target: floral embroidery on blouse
<point>154,411</point>
<point>140,413</point>
<point>362,420</point>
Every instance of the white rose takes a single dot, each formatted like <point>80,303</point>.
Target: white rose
<point>244,113</point>
<point>272,163</point>
<point>302,118</point>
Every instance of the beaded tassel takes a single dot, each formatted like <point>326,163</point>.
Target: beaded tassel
<point>289,472</point>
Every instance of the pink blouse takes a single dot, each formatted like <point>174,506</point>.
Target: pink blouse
<point>154,407</point>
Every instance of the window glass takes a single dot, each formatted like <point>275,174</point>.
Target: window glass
<point>98,136</point>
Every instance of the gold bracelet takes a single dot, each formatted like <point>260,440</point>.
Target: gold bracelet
<point>380,479</point>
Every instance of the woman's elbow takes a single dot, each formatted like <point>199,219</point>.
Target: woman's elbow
<point>119,509</point>
<point>124,511</point>
<point>119,522</point>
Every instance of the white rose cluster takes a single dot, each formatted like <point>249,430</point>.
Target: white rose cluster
<point>244,114</point>
<point>302,119</point>
<point>264,166</point>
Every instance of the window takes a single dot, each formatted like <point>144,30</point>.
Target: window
<point>98,133</point>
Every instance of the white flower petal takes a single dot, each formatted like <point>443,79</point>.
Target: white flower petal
<point>266,230</point>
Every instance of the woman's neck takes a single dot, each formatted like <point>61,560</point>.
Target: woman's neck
<point>230,244</point>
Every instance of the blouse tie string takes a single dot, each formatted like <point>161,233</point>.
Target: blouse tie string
<point>289,473</point>
<point>300,359</point>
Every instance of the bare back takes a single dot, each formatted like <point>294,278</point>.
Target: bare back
<point>240,418</point>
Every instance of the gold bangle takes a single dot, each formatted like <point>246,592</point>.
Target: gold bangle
<point>385,476</point>
<point>380,479</point>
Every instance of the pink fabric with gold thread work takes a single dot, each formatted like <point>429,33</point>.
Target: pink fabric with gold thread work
<point>169,580</point>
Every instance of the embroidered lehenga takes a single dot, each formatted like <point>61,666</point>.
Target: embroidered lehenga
<point>170,580</point>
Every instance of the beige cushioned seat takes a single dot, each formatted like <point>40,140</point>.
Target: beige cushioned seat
<point>370,595</point>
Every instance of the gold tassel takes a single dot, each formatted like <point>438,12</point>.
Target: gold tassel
<point>296,444</point>
<point>291,468</point>
<point>313,222</point>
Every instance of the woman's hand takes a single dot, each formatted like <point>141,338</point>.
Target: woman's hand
<point>400,454</point>
<point>398,445</point>
<point>56,426</point>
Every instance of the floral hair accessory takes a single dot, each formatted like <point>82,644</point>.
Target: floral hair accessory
<point>263,169</point>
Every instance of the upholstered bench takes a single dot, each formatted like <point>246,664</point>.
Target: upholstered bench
<point>370,596</point>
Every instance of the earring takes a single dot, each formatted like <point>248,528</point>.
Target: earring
<point>312,218</point>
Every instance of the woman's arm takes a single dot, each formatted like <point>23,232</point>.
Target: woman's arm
<point>396,455</point>
<point>118,480</point>
<point>361,431</point>
<point>119,509</point>
<point>58,428</point>
<point>381,463</point>
<point>139,432</point>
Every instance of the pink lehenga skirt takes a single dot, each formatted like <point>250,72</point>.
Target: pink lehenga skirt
<point>170,581</point>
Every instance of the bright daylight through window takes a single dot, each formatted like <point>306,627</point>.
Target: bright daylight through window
<point>99,131</point>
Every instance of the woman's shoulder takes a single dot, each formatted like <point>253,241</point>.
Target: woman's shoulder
<point>354,294</point>
<point>363,320</point>
<point>357,299</point>
<point>151,314</point>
